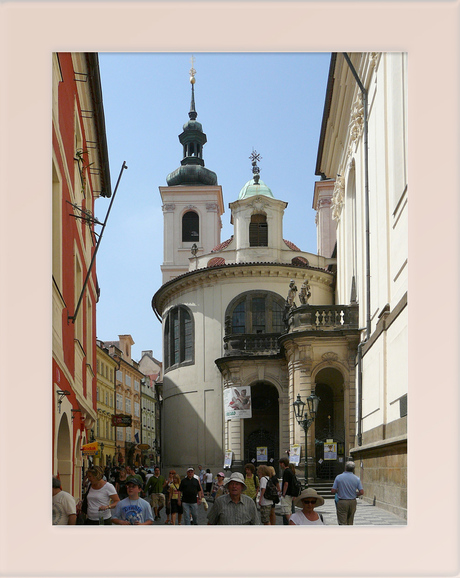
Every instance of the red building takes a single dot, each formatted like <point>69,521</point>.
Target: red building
<point>80,176</point>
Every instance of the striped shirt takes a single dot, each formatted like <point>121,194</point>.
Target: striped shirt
<point>226,513</point>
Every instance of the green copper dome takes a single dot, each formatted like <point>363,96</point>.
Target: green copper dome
<point>252,189</point>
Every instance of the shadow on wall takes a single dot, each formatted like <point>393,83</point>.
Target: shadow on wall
<point>192,428</point>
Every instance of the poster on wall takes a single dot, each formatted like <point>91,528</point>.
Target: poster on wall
<point>262,454</point>
<point>330,451</point>
<point>228,459</point>
<point>237,403</point>
<point>294,454</point>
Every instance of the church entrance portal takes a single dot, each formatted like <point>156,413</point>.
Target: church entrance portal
<point>329,424</point>
<point>262,430</point>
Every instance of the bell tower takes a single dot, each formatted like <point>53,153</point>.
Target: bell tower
<point>192,201</point>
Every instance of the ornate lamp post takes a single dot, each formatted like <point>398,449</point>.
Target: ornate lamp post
<point>312,408</point>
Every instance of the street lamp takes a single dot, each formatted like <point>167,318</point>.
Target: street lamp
<point>312,409</point>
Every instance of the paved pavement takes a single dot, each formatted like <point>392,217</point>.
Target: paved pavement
<point>366,515</point>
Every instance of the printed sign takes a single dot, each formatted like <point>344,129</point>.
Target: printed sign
<point>90,449</point>
<point>262,454</point>
<point>294,454</point>
<point>237,403</point>
<point>330,451</point>
<point>121,420</point>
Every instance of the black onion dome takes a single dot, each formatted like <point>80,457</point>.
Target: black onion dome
<point>192,170</point>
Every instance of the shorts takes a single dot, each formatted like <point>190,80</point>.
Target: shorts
<point>286,505</point>
<point>265,514</point>
<point>157,500</point>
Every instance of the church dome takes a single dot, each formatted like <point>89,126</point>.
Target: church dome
<point>252,189</point>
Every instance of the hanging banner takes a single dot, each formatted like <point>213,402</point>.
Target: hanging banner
<point>90,449</point>
<point>237,403</point>
<point>330,451</point>
<point>294,454</point>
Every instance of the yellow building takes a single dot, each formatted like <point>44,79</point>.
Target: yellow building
<point>105,433</point>
<point>127,400</point>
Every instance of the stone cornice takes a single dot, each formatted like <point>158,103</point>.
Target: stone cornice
<point>211,276</point>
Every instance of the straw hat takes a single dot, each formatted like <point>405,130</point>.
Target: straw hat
<point>309,493</point>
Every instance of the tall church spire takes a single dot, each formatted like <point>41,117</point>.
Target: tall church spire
<point>192,170</point>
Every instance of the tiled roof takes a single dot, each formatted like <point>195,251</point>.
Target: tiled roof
<point>291,245</point>
<point>222,246</point>
<point>216,261</point>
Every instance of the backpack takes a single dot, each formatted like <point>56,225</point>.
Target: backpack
<point>271,493</point>
<point>296,486</point>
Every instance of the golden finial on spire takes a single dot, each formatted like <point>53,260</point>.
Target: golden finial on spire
<point>192,71</point>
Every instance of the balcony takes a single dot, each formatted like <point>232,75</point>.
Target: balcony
<point>323,318</point>
<point>251,344</point>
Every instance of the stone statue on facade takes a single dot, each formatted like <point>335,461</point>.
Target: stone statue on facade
<point>290,301</point>
<point>305,292</point>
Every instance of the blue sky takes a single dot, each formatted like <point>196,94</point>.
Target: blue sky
<point>270,102</point>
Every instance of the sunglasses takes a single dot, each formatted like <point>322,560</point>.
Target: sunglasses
<point>309,501</point>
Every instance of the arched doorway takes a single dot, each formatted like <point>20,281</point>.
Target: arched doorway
<point>262,429</point>
<point>64,454</point>
<point>329,423</point>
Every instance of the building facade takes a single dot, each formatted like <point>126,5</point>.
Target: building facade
<point>105,395</point>
<point>362,160</point>
<point>151,386</point>
<point>127,400</point>
<point>80,175</point>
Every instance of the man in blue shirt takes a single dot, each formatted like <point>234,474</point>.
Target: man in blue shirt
<point>348,487</point>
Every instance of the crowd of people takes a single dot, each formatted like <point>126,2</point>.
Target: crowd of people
<point>126,496</point>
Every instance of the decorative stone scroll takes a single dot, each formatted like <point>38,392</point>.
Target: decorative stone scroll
<point>168,207</point>
<point>330,356</point>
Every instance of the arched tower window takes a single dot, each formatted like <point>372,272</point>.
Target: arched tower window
<point>258,231</point>
<point>191,227</point>
<point>256,312</point>
<point>179,338</point>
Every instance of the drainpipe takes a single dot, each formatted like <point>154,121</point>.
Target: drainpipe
<point>367,243</point>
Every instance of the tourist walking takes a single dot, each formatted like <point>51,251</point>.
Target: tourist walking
<point>308,500</point>
<point>154,488</point>
<point>348,487</point>
<point>175,500</point>
<point>234,508</point>
<point>101,498</point>
<point>219,488</point>
<point>286,490</point>
<point>133,510</point>
<point>265,505</point>
<point>64,507</point>
<point>251,481</point>
<point>192,493</point>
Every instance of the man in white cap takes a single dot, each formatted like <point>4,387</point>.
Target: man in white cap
<point>192,494</point>
<point>234,508</point>
<point>347,486</point>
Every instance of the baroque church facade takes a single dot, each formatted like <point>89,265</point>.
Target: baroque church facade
<point>257,313</point>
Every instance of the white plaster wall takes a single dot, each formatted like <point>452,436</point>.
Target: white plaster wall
<point>397,355</point>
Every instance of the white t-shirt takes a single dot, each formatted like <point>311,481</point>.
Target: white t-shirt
<point>63,507</point>
<point>98,498</point>
<point>263,485</point>
<point>209,478</point>
<point>300,519</point>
